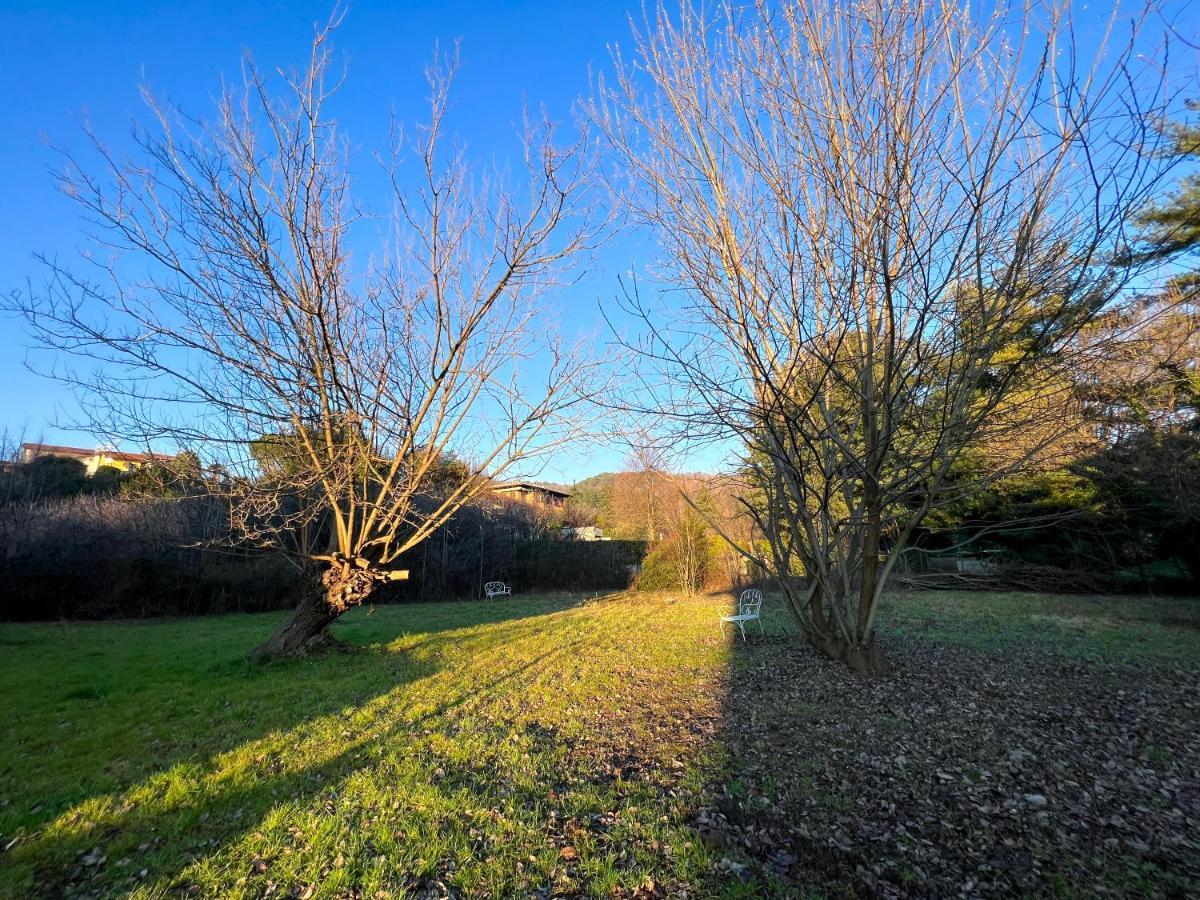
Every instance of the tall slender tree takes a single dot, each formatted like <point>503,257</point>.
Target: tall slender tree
<point>880,216</point>
<point>221,298</point>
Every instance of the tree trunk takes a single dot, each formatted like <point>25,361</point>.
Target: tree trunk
<point>870,571</point>
<point>324,597</point>
<point>865,659</point>
<point>821,637</point>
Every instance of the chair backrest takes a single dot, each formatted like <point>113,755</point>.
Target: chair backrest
<point>493,586</point>
<point>750,603</point>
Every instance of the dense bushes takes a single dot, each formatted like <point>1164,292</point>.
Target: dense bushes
<point>53,477</point>
<point>507,541</point>
<point>96,556</point>
<point>92,556</point>
<point>659,571</point>
<point>577,565</point>
<point>1124,518</point>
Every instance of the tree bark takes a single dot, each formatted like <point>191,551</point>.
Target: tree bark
<point>865,659</point>
<point>324,597</point>
<point>822,637</point>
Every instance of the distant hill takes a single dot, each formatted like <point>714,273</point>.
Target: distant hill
<point>594,495</point>
<point>617,503</point>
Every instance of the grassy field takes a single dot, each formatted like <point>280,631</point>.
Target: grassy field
<point>1102,629</point>
<point>551,745</point>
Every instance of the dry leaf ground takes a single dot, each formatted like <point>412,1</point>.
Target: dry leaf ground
<point>618,747</point>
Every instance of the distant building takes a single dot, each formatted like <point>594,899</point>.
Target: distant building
<point>93,460</point>
<point>584,533</point>
<point>534,494</point>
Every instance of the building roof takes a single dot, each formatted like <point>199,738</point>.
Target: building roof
<point>510,486</point>
<point>84,453</point>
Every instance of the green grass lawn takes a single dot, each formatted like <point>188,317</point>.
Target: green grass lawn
<point>1104,629</point>
<point>469,743</point>
<point>546,743</point>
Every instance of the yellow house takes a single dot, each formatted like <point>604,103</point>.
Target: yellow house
<point>95,459</point>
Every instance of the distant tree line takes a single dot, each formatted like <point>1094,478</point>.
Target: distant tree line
<point>1114,502</point>
<point>158,541</point>
<point>679,517</point>
<point>926,352</point>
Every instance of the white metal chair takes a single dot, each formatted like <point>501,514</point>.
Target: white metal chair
<point>749,609</point>
<point>496,589</point>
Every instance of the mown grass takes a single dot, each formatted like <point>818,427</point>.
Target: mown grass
<point>548,742</point>
<point>466,743</point>
<point>1114,629</point>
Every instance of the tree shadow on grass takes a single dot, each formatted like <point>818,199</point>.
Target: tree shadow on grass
<point>388,622</point>
<point>225,706</point>
<point>162,829</point>
<point>1001,774</point>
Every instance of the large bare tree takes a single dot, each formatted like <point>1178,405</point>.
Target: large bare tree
<point>882,222</point>
<point>228,312</point>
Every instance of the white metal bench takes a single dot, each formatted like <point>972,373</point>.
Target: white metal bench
<point>748,610</point>
<point>496,589</point>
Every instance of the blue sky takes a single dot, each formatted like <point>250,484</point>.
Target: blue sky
<point>68,59</point>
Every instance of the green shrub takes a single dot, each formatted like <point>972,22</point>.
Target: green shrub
<point>659,572</point>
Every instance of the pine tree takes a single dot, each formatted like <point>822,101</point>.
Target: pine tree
<point>1172,228</point>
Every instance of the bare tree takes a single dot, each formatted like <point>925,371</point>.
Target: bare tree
<point>678,529</point>
<point>881,217</point>
<point>227,310</point>
<point>640,495</point>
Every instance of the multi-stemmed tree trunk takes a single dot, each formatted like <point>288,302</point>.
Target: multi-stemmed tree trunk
<point>881,216</point>
<point>232,305</point>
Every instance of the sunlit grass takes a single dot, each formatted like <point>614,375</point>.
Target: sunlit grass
<point>465,743</point>
<point>547,742</point>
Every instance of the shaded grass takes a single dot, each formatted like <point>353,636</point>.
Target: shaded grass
<point>1122,629</point>
<point>536,743</point>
